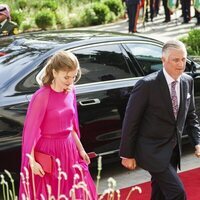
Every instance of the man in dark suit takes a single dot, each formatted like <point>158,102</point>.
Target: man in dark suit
<point>7,27</point>
<point>153,124</point>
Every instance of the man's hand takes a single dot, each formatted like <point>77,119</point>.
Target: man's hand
<point>197,152</point>
<point>129,163</point>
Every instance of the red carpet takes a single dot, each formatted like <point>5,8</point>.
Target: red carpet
<point>191,181</point>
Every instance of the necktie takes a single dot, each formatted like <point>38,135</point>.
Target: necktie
<point>175,108</point>
<point>174,98</point>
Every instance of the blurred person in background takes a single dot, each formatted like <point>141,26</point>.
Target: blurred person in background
<point>132,10</point>
<point>197,12</point>
<point>150,9</point>
<point>167,12</point>
<point>7,27</point>
<point>185,5</point>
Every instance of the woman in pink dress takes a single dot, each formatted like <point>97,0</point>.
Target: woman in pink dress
<point>51,127</point>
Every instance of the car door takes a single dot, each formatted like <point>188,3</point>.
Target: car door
<point>102,95</point>
<point>193,69</point>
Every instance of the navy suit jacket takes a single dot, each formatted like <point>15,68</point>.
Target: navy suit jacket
<point>149,125</point>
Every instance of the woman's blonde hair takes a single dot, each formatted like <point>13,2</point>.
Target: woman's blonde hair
<point>61,61</point>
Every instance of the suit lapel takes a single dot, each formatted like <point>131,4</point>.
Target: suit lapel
<point>164,88</point>
<point>4,27</point>
<point>1,29</point>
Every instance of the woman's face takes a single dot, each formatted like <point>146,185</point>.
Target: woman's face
<point>64,80</point>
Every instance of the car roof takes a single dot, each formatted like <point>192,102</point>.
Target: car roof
<point>71,38</point>
<point>24,49</point>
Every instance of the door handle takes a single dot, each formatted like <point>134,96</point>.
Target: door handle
<point>89,102</point>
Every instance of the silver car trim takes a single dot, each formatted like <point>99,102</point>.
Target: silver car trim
<point>106,85</point>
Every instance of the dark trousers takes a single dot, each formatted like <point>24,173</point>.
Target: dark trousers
<point>132,10</point>
<point>197,15</point>
<point>157,7</point>
<point>186,10</point>
<point>167,11</point>
<point>151,6</point>
<point>167,185</point>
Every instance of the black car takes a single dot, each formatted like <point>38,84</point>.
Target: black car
<point>111,64</point>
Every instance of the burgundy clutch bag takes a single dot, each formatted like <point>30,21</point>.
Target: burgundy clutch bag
<point>92,155</point>
<point>45,160</point>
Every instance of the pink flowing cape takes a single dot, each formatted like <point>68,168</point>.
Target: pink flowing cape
<point>31,132</point>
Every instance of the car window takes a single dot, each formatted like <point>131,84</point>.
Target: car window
<point>12,63</point>
<point>147,55</point>
<point>15,58</point>
<point>102,63</point>
<point>29,83</point>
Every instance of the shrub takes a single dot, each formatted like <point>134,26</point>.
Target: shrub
<point>26,26</point>
<point>115,6</point>
<point>112,17</point>
<point>51,4</point>
<point>88,17</point>
<point>36,5</point>
<point>74,22</point>
<point>22,4</point>
<point>192,42</point>
<point>102,13</point>
<point>17,16</point>
<point>61,20</point>
<point>93,14</point>
<point>44,19</point>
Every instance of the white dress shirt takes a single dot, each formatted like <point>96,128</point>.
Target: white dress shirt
<point>3,22</point>
<point>169,80</point>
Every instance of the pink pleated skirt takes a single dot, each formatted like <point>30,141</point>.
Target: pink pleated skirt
<point>74,169</point>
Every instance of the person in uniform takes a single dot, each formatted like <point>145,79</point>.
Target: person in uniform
<point>7,27</point>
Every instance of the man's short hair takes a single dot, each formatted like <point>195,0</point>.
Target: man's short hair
<point>173,44</point>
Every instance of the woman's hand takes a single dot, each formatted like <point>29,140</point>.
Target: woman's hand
<point>37,168</point>
<point>85,157</point>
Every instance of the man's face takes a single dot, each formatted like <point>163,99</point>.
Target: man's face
<point>2,17</point>
<point>175,62</point>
